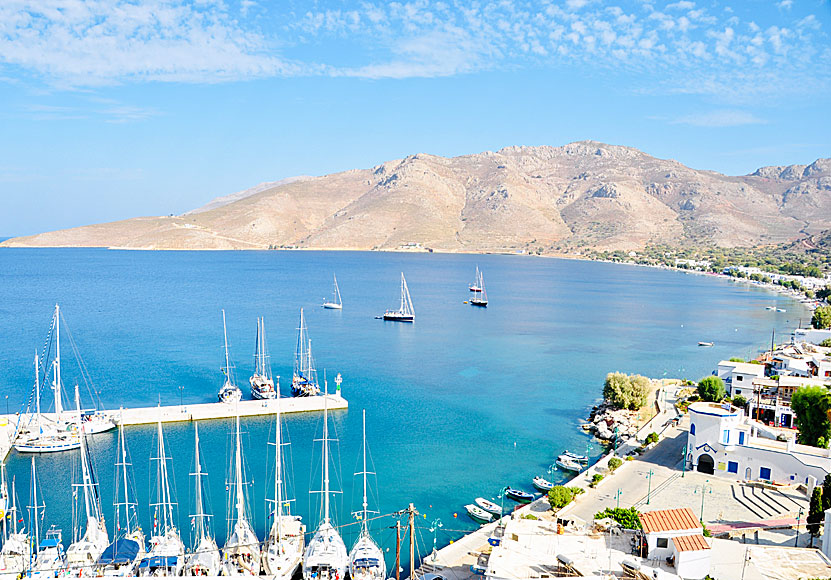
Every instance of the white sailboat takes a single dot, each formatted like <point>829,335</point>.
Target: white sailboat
<point>14,556</point>
<point>241,554</point>
<point>335,303</point>
<point>480,296</point>
<point>122,556</point>
<point>49,559</point>
<point>405,312</point>
<point>167,551</point>
<point>230,392</point>
<point>366,560</point>
<point>475,287</point>
<point>87,548</point>
<point>304,381</point>
<point>284,547</point>
<point>204,560</point>
<point>325,557</point>
<point>262,383</point>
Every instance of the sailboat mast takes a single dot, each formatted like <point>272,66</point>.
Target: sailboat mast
<point>278,473</point>
<point>6,493</point>
<point>364,524</point>
<point>14,506</point>
<point>403,290</point>
<point>200,512</point>
<point>325,451</point>
<point>165,500</point>
<point>35,506</point>
<point>37,388</point>
<point>90,505</point>
<point>238,475</point>
<point>58,404</point>
<point>227,358</point>
<point>123,446</point>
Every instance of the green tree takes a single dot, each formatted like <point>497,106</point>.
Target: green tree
<point>626,391</point>
<point>626,517</point>
<point>824,293</point>
<point>559,496</point>
<point>736,359</point>
<point>815,513</point>
<point>826,492</point>
<point>822,317</point>
<point>711,389</point>
<point>614,463</point>
<point>810,404</point>
<point>740,401</point>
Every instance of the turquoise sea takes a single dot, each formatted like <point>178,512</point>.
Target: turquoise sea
<point>459,404</point>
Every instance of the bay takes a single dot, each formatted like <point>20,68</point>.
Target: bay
<point>459,404</point>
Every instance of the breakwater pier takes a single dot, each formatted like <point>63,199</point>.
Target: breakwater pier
<point>191,412</point>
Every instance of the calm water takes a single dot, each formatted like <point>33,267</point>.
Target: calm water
<point>458,404</point>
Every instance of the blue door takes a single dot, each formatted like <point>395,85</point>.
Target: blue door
<point>764,473</point>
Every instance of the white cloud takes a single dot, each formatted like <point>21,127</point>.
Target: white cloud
<point>785,4</point>
<point>720,118</point>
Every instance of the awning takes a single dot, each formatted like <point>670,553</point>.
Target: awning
<point>122,551</point>
<point>159,562</point>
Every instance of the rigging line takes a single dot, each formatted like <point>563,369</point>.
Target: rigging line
<point>82,365</point>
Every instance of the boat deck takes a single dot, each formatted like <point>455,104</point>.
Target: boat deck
<point>195,412</point>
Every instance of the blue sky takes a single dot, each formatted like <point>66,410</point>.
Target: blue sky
<point>114,109</point>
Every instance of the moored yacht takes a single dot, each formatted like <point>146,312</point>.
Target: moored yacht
<point>405,312</point>
<point>335,303</point>
<point>262,383</point>
<point>14,556</point>
<point>229,392</point>
<point>304,380</point>
<point>204,559</point>
<point>49,560</point>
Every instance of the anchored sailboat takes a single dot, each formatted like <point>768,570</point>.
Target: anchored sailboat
<point>204,560</point>
<point>14,557</point>
<point>480,296</point>
<point>241,554</point>
<point>167,551</point>
<point>366,560</point>
<point>476,286</point>
<point>230,392</point>
<point>325,557</point>
<point>262,385</point>
<point>304,381</point>
<point>85,550</point>
<point>49,560</point>
<point>406,312</point>
<point>284,547</point>
<point>335,303</point>
<point>122,556</point>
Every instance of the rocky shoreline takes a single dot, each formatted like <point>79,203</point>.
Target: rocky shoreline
<point>604,419</point>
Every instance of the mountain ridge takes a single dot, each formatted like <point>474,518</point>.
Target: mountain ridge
<point>566,199</point>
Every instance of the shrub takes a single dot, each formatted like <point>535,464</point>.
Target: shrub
<point>559,496</point>
<point>529,517</point>
<point>736,359</point>
<point>626,517</point>
<point>740,401</point>
<point>626,391</point>
<point>614,463</point>
<point>711,389</point>
<point>811,404</point>
<point>822,317</point>
<point>652,438</point>
<point>596,478</point>
<point>826,343</point>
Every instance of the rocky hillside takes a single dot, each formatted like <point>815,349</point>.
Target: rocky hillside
<point>584,195</point>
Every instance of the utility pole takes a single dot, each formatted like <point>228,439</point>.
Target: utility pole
<point>411,511</point>
<point>649,489</point>
<point>398,550</point>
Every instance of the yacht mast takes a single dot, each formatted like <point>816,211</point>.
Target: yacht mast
<point>227,357</point>
<point>240,495</point>
<point>278,473</point>
<point>123,465</point>
<point>35,508</point>
<point>363,519</point>
<point>57,386</point>
<point>325,451</point>
<point>165,502</point>
<point>200,515</point>
<point>91,504</point>
<point>37,390</point>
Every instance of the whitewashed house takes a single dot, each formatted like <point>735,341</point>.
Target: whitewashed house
<point>677,535</point>
<point>738,376</point>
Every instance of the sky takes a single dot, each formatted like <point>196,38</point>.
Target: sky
<point>112,109</point>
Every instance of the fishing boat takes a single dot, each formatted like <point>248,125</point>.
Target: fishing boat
<point>304,380</point>
<point>122,556</point>
<point>241,553</point>
<point>286,539</point>
<point>14,556</point>
<point>488,506</point>
<point>366,559</point>
<point>569,464</point>
<point>204,558</point>
<point>576,457</point>
<point>478,514</point>
<point>542,484</point>
<point>85,549</point>
<point>49,559</point>
<point>262,383</point>
<point>405,312</point>
<point>704,343</point>
<point>335,303</point>
<point>325,557</point>
<point>480,296</point>
<point>518,495</point>
<point>475,287</point>
<point>230,392</point>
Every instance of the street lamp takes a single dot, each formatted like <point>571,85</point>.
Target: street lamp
<point>798,517</point>
<point>684,467</point>
<point>502,493</point>
<point>434,527</point>
<point>617,497</point>
<point>703,490</point>
<point>649,488</point>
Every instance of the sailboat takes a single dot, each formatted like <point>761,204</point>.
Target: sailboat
<point>49,560</point>
<point>262,384</point>
<point>304,380</point>
<point>325,557</point>
<point>40,435</point>
<point>122,556</point>
<point>480,296</point>
<point>284,547</point>
<point>335,303</point>
<point>14,557</point>
<point>230,392</point>
<point>366,560</point>
<point>476,286</point>
<point>204,560</point>
<point>406,312</point>
<point>85,550</point>
<point>241,554</point>
<point>166,555</point>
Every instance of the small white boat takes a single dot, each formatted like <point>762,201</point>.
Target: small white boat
<point>704,343</point>
<point>478,513</point>
<point>488,505</point>
<point>576,457</point>
<point>230,392</point>
<point>542,484</point>
<point>770,307</point>
<point>335,303</point>
<point>780,310</point>
<point>262,383</point>
<point>405,312</point>
<point>568,464</point>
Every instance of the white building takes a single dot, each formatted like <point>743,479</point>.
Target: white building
<point>722,441</point>
<point>677,534</point>
<point>739,376</point>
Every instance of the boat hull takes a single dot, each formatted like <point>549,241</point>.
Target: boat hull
<point>542,484</point>
<point>398,317</point>
<point>520,496</point>
<point>480,303</point>
<point>332,306</point>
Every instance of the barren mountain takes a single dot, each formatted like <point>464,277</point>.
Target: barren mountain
<point>581,195</point>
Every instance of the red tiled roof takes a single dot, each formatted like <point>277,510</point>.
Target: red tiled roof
<point>690,543</point>
<point>669,520</point>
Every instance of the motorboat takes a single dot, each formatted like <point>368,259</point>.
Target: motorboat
<point>542,484</point>
<point>519,495</point>
<point>478,514</point>
<point>488,506</point>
